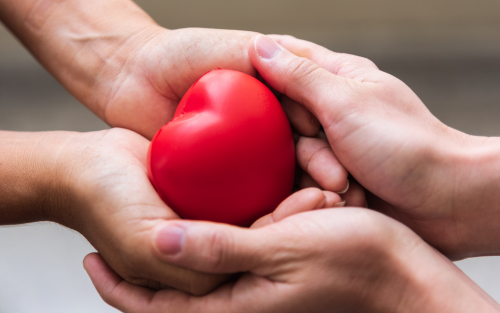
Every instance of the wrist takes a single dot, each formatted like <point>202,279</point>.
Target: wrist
<point>414,277</point>
<point>110,75</point>
<point>32,185</point>
<point>78,160</point>
<point>394,284</point>
<point>456,209</point>
<point>475,173</point>
<point>77,40</point>
<point>437,285</point>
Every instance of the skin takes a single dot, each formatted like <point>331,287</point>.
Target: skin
<point>96,183</point>
<point>117,61</point>
<point>131,73</point>
<point>328,260</point>
<point>388,267</point>
<point>438,181</point>
<point>113,58</point>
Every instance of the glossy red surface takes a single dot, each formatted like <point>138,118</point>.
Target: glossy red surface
<point>227,155</point>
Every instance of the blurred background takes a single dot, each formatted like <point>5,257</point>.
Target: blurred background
<point>447,51</point>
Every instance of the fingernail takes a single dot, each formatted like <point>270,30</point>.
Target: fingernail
<point>345,189</point>
<point>266,47</point>
<point>170,240</point>
<point>340,204</point>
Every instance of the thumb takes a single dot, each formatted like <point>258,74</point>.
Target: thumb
<point>211,247</point>
<point>320,91</point>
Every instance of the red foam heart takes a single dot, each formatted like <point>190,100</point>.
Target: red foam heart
<point>227,155</point>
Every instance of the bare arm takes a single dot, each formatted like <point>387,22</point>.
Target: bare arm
<point>117,61</point>
<point>31,185</point>
<point>84,181</point>
<point>79,42</point>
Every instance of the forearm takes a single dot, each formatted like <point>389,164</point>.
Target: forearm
<point>416,278</point>
<point>474,175</point>
<point>438,285</point>
<point>32,170</point>
<point>79,41</point>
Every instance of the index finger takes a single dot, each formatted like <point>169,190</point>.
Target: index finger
<point>326,95</point>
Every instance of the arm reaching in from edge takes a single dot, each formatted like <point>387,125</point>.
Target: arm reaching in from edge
<point>117,61</point>
<point>438,181</point>
<point>95,183</point>
<point>328,260</point>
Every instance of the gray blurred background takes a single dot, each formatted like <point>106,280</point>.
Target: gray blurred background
<point>448,52</point>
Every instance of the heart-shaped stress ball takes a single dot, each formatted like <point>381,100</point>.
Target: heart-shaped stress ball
<point>227,155</point>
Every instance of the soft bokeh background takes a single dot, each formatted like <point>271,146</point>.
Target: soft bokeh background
<point>447,51</point>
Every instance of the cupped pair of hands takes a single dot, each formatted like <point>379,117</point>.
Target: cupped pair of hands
<point>424,184</point>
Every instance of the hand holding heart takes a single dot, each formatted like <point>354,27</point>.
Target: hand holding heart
<point>332,259</point>
<point>132,73</point>
<point>328,260</point>
<point>434,179</point>
<point>143,95</point>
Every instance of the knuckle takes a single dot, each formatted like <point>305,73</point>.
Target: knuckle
<point>302,72</point>
<point>215,252</point>
<point>349,95</point>
<point>366,62</point>
<point>354,89</point>
<point>305,148</point>
<point>351,65</point>
<point>301,69</point>
<point>315,155</point>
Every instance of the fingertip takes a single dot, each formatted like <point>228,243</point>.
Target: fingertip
<point>112,288</point>
<point>334,178</point>
<point>104,279</point>
<point>92,263</point>
<point>301,201</point>
<point>89,259</point>
<point>101,275</point>
<point>315,195</point>
<point>345,189</point>
<point>265,47</point>
<point>307,199</point>
<point>288,73</point>
<point>332,199</point>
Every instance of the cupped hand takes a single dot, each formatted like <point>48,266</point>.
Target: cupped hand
<point>417,169</point>
<point>116,208</point>
<point>143,93</point>
<point>140,87</point>
<point>328,260</point>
